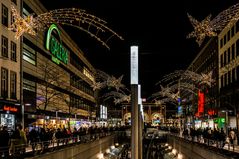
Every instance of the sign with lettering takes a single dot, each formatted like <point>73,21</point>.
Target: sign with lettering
<point>10,109</point>
<point>58,51</point>
<point>134,64</point>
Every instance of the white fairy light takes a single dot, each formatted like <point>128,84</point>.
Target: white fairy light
<point>97,85</point>
<point>118,97</point>
<point>190,77</point>
<point>74,17</point>
<point>115,83</point>
<point>201,29</point>
<point>209,27</point>
<point>105,80</point>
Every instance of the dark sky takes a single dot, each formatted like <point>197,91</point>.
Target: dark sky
<point>159,28</point>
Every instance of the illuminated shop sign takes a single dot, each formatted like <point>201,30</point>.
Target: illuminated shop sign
<point>10,109</point>
<point>201,102</point>
<point>58,51</point>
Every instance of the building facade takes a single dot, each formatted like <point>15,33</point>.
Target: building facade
<point>204,62</point>
<point>229,72</point>
<point>46,75</point>
<point>10,109</point>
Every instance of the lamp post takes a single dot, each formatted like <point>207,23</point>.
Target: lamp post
<point>134,102</point>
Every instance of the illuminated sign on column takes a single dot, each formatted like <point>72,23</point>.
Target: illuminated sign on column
<point>58,51</point>
<point>134,65</point>
<point>201,102</point>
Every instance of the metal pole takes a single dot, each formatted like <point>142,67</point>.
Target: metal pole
<point>140,131</point>
<point>134,122</point>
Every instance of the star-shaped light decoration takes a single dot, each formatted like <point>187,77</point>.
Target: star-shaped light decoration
<point>207,79</point>
<point>118,97</point>
<point>22,25</point>
<point>165,91</point>
<point>115,83</point>
<point>201,29</point>
<point>97,85</point>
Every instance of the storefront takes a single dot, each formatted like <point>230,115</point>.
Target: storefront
<point>10,115</point>
<point>219,122</point>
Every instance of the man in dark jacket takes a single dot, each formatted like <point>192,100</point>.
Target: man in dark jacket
<point>4,144</point>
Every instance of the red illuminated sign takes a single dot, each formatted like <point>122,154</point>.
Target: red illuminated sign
<point>201,102</point>
<point>11,109</point>
<point>212,112</point>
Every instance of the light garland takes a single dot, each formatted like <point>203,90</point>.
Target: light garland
<point>189,76</point>
<point>74,17</point>
<point>118,97</point>
<point>105,80</point>
<point>209,27</point>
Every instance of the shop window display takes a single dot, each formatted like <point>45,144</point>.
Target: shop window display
<point>8,120</point>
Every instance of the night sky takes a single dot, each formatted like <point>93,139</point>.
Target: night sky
<point>159,28</point>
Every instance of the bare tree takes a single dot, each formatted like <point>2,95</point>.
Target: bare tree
<point>48,92</point>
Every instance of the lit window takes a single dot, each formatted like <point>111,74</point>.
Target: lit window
<point>29,54</point>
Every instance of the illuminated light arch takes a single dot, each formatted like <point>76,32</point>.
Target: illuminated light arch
<point>73,17</point>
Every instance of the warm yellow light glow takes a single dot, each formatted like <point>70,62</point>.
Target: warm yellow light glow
<point>209,27</point>
<point>77,18</point>
<point>112,147</point>
<point>107,151</point>
<point>174,151</point>
<point>100,156</point>
<point>180,156</point>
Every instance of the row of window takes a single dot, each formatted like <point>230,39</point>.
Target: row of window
<point>29,85</point>
<point>29,54</point>
<point>230,54</point>
<point>5,84</point>
<point>234,29</point>
<point>230,77</point>
<point>79,103</point>
<point>78,83</point>
<point>4,49</point>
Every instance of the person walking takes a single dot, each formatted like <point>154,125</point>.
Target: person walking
<point>23,139</point>
<point>232,138</point>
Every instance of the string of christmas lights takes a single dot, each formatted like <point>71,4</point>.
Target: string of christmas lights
<point>190,77</point>
<point>209,27</point>
<point>104,80</point>
<point>74,17</point>
<point>118,97</point>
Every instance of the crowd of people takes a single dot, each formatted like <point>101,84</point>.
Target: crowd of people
<point>15,142</point>
<point>209,136</point>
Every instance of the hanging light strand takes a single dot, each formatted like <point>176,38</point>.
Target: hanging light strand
<point>73,17</point>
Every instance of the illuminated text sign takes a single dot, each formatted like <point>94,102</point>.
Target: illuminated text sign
<point>10,109</point>
<point>59,53</point>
